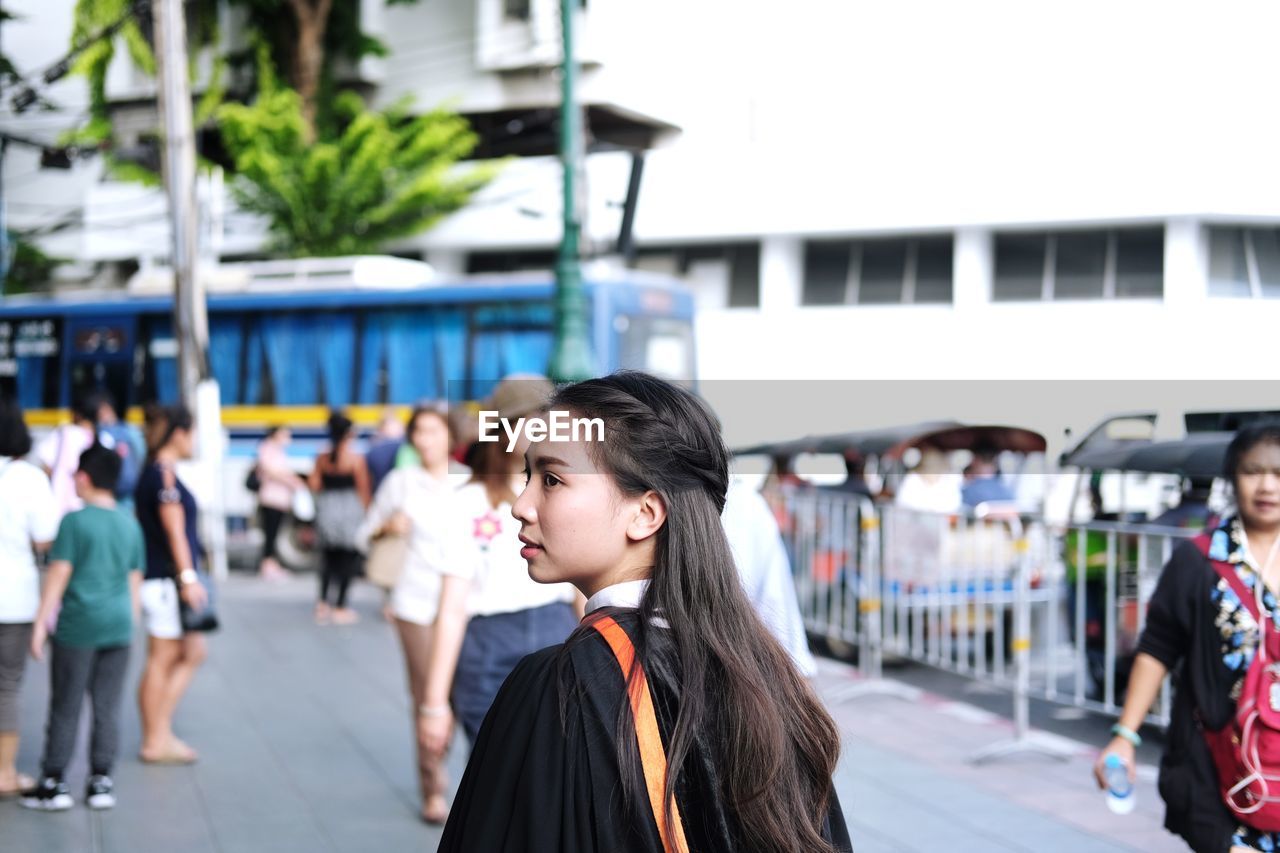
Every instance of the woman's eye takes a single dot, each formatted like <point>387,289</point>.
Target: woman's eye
<point>549,480</point>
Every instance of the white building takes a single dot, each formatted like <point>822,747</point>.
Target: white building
<point>854,190</point>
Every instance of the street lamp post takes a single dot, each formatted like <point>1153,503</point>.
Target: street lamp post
<point>571,357</point>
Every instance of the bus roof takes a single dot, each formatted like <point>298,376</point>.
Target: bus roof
<point>489,288</point>
<point>891,442</point>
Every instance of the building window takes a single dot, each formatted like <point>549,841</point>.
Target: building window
<point>730,270</point>
<point>744,275</point>
<point>516,9</point>
<point>877,272</point>
<point>502,262</point>
<point>1115,264</point>
<point>1140,264</point>
<point>1244,262</point>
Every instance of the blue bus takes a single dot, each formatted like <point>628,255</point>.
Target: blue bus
<point>287,354</point>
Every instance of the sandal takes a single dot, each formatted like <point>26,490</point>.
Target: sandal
<point>345,616</point>
<point>435,817</point>
<point>25,782</point>
<point>170,757</point>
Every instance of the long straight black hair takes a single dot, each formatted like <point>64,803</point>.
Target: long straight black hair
<point>773,743</point>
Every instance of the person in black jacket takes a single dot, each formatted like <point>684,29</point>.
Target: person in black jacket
<point>1198,629</point>
<point>568,759</point>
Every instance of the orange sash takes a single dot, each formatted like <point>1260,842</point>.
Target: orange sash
<point>653,756</point>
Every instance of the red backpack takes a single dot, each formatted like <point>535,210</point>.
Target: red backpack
<point>1246,750</point>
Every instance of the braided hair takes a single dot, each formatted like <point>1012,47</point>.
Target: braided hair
<point>773,743</point>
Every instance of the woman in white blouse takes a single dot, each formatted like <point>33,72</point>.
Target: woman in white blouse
<point>488,621</point>
<point>417,502</point>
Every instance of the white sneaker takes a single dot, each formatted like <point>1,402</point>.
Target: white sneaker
<point>51,795</point>
<point>99,794</point>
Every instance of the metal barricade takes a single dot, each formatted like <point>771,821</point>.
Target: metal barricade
<point>984,595</point>
<point>1107,572</point>
<point>832,539</point>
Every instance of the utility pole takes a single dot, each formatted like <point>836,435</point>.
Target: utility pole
<point>571,358</point>
<point>4,221</point>
<point>190,317</point>
<point>190,321</point>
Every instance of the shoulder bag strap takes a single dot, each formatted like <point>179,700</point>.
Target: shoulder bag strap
<point>653,756</point>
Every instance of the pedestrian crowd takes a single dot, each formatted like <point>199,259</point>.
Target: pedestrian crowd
<point>103,503</point>
<point>441,522</point>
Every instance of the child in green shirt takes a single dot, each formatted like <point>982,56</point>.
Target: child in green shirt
<point>94,572</point>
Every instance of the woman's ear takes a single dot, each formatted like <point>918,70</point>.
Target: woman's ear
<point>650,513</point>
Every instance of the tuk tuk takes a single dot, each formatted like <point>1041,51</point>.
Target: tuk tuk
<point>942,576</point>
<point>1112,562</point>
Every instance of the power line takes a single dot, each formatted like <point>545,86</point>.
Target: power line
<point>26,96</point>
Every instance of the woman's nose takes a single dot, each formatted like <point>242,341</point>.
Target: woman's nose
<point>522,510</point>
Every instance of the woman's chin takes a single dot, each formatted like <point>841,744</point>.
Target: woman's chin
<point>539,573</point>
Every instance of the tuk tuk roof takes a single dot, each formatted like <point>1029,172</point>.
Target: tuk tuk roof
<point>891,442</point>
<point>1198,456</point>
<point>1098,439</point>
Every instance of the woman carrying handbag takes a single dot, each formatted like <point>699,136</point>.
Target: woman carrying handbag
<point>176,606</point>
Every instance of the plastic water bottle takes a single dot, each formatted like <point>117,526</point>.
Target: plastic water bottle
<point>1121,796</point>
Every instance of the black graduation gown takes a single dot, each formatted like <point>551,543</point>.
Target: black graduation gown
<point>535,785</point>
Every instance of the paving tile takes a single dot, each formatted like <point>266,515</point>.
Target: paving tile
<point>306,744</point>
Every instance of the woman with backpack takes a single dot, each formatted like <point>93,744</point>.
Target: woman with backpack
<point>671,719</point>
<point>1206,622</point>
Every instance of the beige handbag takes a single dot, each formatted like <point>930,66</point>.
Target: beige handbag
<point>387,555</point>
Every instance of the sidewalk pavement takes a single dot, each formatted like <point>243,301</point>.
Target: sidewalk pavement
<point>306,745</point>
<point>907,782</point>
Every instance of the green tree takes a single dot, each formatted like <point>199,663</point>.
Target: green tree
<point>29,269</point>
<point>90,18</point>
<point>307,38</point>
<point>379,176</point>
<point>9,75</point>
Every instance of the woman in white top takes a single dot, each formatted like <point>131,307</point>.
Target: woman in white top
<point>510,615</point>
<point>416,502</point>
<point>28,523</point>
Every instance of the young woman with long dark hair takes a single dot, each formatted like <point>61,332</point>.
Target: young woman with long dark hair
<point>671,665</point>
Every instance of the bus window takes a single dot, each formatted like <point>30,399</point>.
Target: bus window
<point>160,366</point>
<point>662,346</point>
<point>406,355</point>
<point>100,357</point>
<point>308,356</point>
<point>508,339</point>
<point>30,362</point>
<point>228,342</point>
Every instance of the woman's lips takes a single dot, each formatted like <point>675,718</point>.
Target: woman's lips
<point>530,548</point>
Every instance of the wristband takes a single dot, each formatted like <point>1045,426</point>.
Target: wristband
<point>1127,733</point>
<point>186,577</point>
<point>427,711</point>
